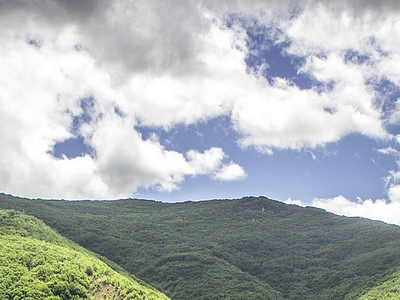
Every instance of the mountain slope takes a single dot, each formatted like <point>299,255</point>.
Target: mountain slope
<point>230,249</point>
<point>390,289</point>
<point>38,263</point>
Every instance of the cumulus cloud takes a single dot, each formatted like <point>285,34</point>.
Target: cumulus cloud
<point>45,81</point>
<point>382,210</point>
<point>207,162</point>
<point>282,115</point>
<point>210,162</point>
<point>230,172</point>
<point>162,63</point>
<point>287,117</point>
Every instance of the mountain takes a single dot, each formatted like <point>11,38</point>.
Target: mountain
<point>38,263</point>
<point>249,248</point>
<point>387,290</point>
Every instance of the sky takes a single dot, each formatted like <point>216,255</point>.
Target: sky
<point>180,100</point>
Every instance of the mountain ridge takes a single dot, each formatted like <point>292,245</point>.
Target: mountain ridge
<point>198,250</point>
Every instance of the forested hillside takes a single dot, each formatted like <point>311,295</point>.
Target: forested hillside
<point>38,263</point>
<point>250,248</point>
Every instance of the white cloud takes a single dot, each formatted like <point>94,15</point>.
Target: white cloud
<point>394,189</point>
<point>210,162</point>
<point>168,62</point>
<point>41,95</point>
<point>207,162</point>
<point>230,172</point>
<point>382,210</point>
<point>125,162</point>
<point>282,116</point>
<point>286,117</point>
<point>166,99</point>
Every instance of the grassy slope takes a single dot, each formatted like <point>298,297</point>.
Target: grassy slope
<point>388,290</point>
<point>230,249</point>
<point>38,263</point>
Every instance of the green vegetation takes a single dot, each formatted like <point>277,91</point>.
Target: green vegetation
<point>38,263</point>
<point>388,290</point>
<point>250,248</point>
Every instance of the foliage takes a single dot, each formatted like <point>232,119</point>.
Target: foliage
<point>37,263</point>
<point>200,275</point>
<point>390,289</point>
<point>250,248</point>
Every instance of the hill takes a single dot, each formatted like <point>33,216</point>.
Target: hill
<point>250,248</point>
<point>387,290</point>
<point>37,263</point>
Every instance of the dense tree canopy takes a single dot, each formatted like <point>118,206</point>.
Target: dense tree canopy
<point>250,248</point>
<point>37,263</point>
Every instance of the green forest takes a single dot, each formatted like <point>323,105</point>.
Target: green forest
<point>249,248</point>
<point>38,263</point>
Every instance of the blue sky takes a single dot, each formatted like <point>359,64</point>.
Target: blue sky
<point>293,100</point>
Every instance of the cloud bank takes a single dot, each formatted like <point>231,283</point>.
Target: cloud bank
<point>382,210</point>
<point>163,63</point>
